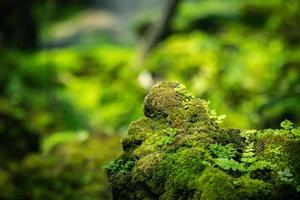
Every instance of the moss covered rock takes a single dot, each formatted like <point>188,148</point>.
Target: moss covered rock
<point>179,151</point>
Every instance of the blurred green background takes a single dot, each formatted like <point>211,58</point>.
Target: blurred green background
<point>73,75</point>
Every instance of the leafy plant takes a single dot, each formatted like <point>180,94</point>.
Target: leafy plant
<point>296,132</point>
<point>261,165</point>
<point>181,90</point>
<point>219,151</point>
<point>168,137</point>
<point>286,124</point>
<point>287,130</point>
<point>248,135</point>
<point>248,156</point>
<point>286,175</point>
<point>228,164</point>
<point>248,162</point>
<point>119,165</point>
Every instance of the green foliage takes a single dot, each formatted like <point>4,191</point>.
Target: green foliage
<point>230,164</point>
<point>248,163</point>
<point>187,96</point>
<point>248,156</point>
<point>296,132</point>
<point>248,135</point>
<point>261,165</point>
<point>169,138</point>
<point>228,151</point>
<point>286,175</point>
<point>71,170</point>
<point>286,124</point>
<point>61,138</point>
<point>243,56</point>
<point>119,165</point>
<point>287,130</point>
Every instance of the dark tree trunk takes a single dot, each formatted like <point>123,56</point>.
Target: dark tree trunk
<point>161,29</point>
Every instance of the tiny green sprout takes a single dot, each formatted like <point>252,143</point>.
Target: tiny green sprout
<point>286,124</point>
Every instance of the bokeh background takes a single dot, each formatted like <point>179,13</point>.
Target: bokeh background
<point>73,75</point>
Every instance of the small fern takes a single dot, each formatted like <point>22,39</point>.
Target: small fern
<point>286,175</point>
<point>288,130</point>
<point>229,164</point>
<point>218,151</point>
<point>119,165</point>
<point>296,132</point>
<point>248,156</point>
<point>261,165</point>
<point>168,138</point>
<point>286,124</point>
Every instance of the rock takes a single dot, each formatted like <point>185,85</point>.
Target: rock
<point>179,151</point>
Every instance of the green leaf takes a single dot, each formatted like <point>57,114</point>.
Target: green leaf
<point>286,124</point>
<point>286,175</point>
<point>219,151</point>
<point>261,165</point>
<point>227,164</point>
<point>296,132</point>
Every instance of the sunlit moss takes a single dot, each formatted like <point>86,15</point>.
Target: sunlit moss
<point>178,151</point>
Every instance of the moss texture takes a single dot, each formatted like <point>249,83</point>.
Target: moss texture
<point>179,151</point>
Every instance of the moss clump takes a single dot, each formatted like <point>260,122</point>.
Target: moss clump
<point>163,98</point>
<point>179,151</point>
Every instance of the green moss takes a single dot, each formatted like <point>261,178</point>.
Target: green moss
<point>178,151</point>
<point>162,99</point>
<point>215,184</point>
<point>137,133</point>
<point>179,172</point>
<point>120,165</point>
<point>248,188</point>
<point>292,148</point>
<point>182,91</point>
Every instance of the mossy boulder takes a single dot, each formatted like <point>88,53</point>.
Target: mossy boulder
<point>179,151</point>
